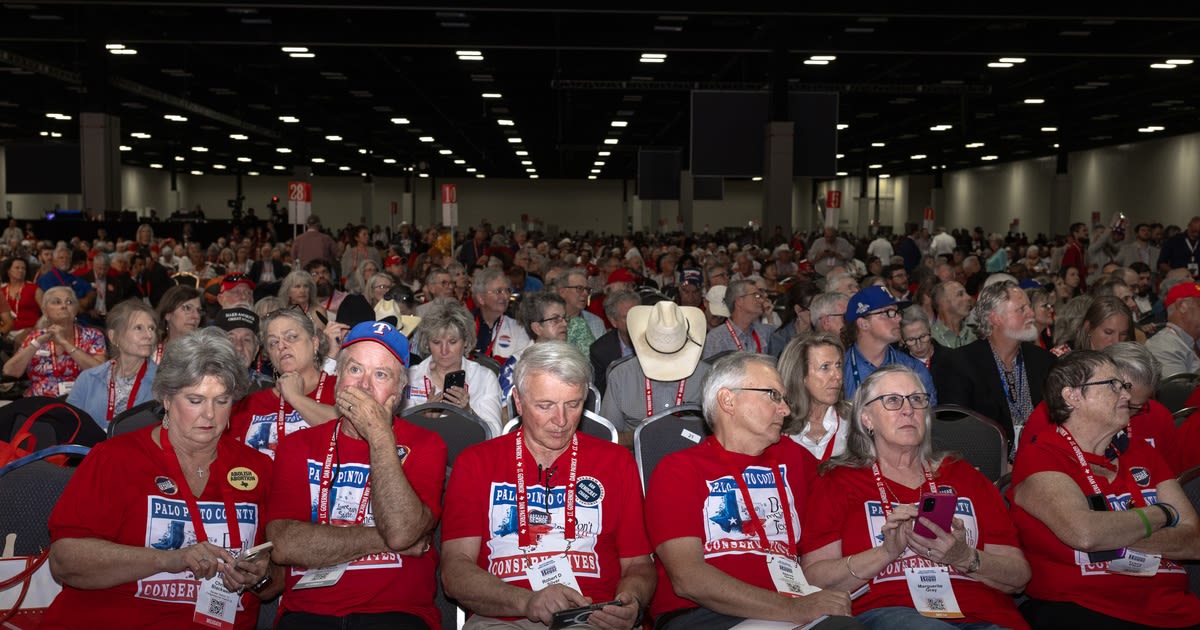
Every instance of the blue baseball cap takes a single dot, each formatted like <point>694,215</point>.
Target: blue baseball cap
<point>381,333</point>
<point>870,299</point>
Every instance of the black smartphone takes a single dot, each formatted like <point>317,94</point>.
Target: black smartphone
<point>455,379</point>
<point>578,616</point>
<point>1098,503</point>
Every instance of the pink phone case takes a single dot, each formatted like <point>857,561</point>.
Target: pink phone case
<point>938,508</point>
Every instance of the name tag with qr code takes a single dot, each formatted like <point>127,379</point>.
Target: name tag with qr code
<point>325,576</point>
<point>931,592</point>
<point>216,605</point>
<point>556,570</point>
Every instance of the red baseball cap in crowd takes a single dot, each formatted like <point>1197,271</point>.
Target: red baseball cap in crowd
<point>1182,291</point>
<point>393,260</point>
<point>620,275</point>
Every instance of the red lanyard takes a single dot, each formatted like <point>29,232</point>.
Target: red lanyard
<point>280,424</point>
<point>327,484</point>
<point>329,301</point>
<point>525,537</point>
<point>158,352</point>
<point>756,523</point>
<point>14,306</point>
<point>112,388</point>
<point>650,397</point>
<point>215,471</point>
<point>1083,463</point>
<point>885,504</point>
<point>54,355</point>
<point>495,333</point>
<point>832,440</point>
<point>757,342</point>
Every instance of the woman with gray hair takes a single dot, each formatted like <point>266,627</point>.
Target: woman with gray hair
<point>868,530</point>
<point>124,546</point>
<point>59,349</point>
<point>299,290</point>
<point>445,336</point>
<point>303,395</point>
<point>1103,527</point>
<point>916,338</point>
<point>112,387</point>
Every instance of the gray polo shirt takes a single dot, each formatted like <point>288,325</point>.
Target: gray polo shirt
<point>624,402</point>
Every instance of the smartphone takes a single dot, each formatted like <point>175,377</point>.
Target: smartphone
<point>938,508</point>
<point>1099,503</point>
<point>455,379</point>
<point>252,553</point>
<point>572,617</point>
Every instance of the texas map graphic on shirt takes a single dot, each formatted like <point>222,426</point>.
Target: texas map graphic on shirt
<point>728,526</point>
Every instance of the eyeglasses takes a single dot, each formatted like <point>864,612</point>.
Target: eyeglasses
<point>890,313</point>
<point>771,393</point>
<point>504,292</point>
<point>1115,384</point>
<point>555,319</point>
<point>893,402</point>
<point>757,295</point>
<point>918,339</point>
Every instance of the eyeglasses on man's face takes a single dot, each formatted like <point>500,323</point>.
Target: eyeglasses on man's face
<point>554,319</point>
<point>890,313</point>
<point>1115,384</point>
<point>919,339</point>
<point>893,402</point>
<point>775,395</point>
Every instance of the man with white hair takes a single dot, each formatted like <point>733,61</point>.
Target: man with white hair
<point>1175,345</point>
<point>1001,374</point>
<point>841,282</point>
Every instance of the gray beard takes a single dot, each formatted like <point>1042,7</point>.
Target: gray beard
<point>1029,334</point>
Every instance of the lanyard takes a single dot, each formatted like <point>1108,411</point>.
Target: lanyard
<point>525,537</point>
<point>887,359</point>
<point>158,352</point>
<point>327,484</point>
<point>885,504</point>
<point>280,424</point>
<point>756,523</point>
<point>832,440</point>
<point>495,332</point>
<point>185,490</point>
<point>54,356</point>
<point>1083,464</point>
<point>329,301</point>
<point>112,388</point>
<point>650,397</point>
<point>753,333</point>
<point>14,305</point>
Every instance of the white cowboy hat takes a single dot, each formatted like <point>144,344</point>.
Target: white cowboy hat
<point>406,324</point>
<point>716,301</point>
<point>668,339</point>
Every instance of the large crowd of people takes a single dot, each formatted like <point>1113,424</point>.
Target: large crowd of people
<point>285,368</point>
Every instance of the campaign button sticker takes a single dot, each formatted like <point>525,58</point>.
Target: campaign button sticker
<point>243,478</point>
<point>166,486</point>
<point>589,491</point>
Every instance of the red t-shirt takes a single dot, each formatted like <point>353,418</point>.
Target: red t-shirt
<point>253,419</point>
<point>692,494</point>
<point>1061,573</point>
<point>851,512</point>
<point>124,492</point>
<point>1153,424</point>
<point>384,582</point>
<point>481,502</point>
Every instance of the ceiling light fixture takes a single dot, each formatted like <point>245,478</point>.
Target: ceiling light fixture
<point>842,126</point>
<point>289,119</point>
<point>333,138</point>
<point>294,49</point>
<point>611,141</point>
<point>974,145</point>
<point>283,150</point>
<point>140,135</point>
<point>445,152</point>
<point>1049,129</point>
<point>238,136</point>
<point>504,122</point>
<point>400,121</point>
<point>1163,66</point>
<point>620,123</point>
<point>155,165</point>
<point>919,156</point>
<point>1180,62</point>
<point>989,158</point>
<point>318,160</point>
<point>604,153</point>
<point>426,138</point>
<point>879,144</point>
<point>302,55</point>
<point>1034,101</point>
<point>492,95</point>
<point>875,166</point>
<point>200,149</point>
<point>244,159</point>
<point>1012,60</point>
<point>999,64</point>
<point>125,147</point>
<point>514,141</point>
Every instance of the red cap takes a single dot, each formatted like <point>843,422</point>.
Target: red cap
<point>620,275</point>
<point>1182,291</point>
<point>393,260</point>
<point>234,279</point>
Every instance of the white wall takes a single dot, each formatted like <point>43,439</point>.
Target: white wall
<point>1156,180</point>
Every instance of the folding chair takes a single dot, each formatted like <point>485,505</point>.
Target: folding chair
<point>664,433</point>
<point>51,421</point>
<point>979,439</point>
<point>137,417</point>
<point>457,428</point>
<point>1174,390</point>
<point>1182,415</point>
<point>1190,480</point>
<point>590,423</point>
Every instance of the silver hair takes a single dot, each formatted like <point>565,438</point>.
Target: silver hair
<point>728,372</point>
<point>301,278</point>
<point>559,359</point>
<point>735,290</point>
<point>486,276</point>
<point>860,445</point>
<point>446,315</point>
<point>991,298</point>
<point>1135,362</point>
<point>914,314</point>
<point>68,292</point>
<point>826,304</point>
<point>615,299</point>
<point>833,279</point>
<point>203,352</point>
<point>320,349</point>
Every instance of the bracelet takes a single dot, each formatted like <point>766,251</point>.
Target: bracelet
<point>261,583</point>
<point>852,573</point>
<point>1145,521</point>
<point>1171,513</point>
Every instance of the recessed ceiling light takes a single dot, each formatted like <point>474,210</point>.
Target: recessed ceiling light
<point>302,55</point>
<point>178,158</point>
<point>1151,129</point>
<point>294,49</point>
<point>1049,129</point>
<point>842,126</point>
<point>445,152</point>
<point>333,138</point>
<point>884,176</point>
<point>504,122</point>
<point>389,160</point>
<point>471,169</point>
<point>238,136</point>
<point>140,135</point>
<point>244,159</point>
<point>815,62</point>
<point>839,156</point>
<point>279,167</point>
<point>598,163</point>
<point>114,46</point>
<point>470,57</point>
<point>604,153</point>
<point>591,177</point>
<point>1180,62</point>
<point>620,123</point>
<point>252,173</point>
<point>878,144</point>
<point>974,145</point>
<point>197,172</point>
<point>155,165</point>
<point>842,174</point>
<point>596,171</point>
<point>919,156</point>
<point>514,141</point>
<point>824,57</point>
<point>521,153</point>
<point>989,158</point>
<point>875,166</point>
<point>426,139</point>
<point>343,168</point>
<point>219,167</point>
<point>200,149</point>
<point>318,160</point>
<point>611,141</point>
<point>1012,60</point>
<point>482,176</point>
<point>526,162</point>
<point>1163,66</point>
<point>942,127</point>
<point>531,170</point>
<point>467,53</point>
<point>125,147</point>
<point>175,118</point>
<point>283,150</point>
<point>999,64</point>
<point>400,121</point>
<point>289,119</point>
<point>123,51</point>
<point>1034,101</point>
<point>492,95</point>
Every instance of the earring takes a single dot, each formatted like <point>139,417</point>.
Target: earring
<point>166,422</point>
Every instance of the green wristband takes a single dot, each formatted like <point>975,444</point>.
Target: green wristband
<point>1145,521</point>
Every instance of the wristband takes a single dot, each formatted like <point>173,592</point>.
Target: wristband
<point>1145,521</point>
<point>1171,513</point>
<point>852,573</point>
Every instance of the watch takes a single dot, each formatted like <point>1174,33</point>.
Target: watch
<point>974,566</point>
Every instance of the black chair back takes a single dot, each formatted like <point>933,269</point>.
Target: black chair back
<point>54,421</point>
<point>457,428</point>
<point>979,439</point>
<point>29,488</point>
<point>1174,390</point>
<point>1190,480</point>
<point>136,417</point>
<point>660,435</point>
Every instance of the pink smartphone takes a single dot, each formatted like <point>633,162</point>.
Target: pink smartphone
<point>938,508</point>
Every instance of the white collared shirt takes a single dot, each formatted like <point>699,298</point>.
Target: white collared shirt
<point>834,430</point>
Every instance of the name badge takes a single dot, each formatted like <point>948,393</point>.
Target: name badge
<point>64,387</point>
<point>216,605</point>
<point>931,592</point>
<point>1135,563</point>
<point>325,576</point>
<point>556,570</point>
<point>788,577</point>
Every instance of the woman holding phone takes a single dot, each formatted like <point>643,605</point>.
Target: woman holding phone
<point>869,530</point>
<point>445,336</point>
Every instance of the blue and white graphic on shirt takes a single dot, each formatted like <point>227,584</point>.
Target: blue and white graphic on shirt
<point>261,434</point>
<point>547,522</point>
<point>345,495</point>
<point>169,527</point>
<point>1119,503</point>
<point>728,526</point>
<point>964,509</point>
